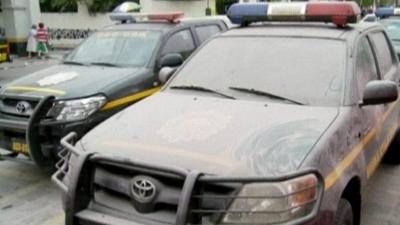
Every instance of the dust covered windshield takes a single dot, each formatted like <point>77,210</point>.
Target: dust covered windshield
<point>118,48</point>
<point>306,71</point>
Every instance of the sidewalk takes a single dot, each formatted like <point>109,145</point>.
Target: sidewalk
<point>19,62</point>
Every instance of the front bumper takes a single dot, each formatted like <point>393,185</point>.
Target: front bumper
<point>41,135</point>
<point>17,126</point>
<point>77,180</point>
<point>27,129</point>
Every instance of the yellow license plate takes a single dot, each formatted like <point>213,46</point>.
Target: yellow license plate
<point>19,146</point>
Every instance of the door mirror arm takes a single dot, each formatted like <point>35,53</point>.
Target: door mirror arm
<point>165,73</point>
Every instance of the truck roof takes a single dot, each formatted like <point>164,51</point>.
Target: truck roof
<point>163,25</point>
<point>303,29</point>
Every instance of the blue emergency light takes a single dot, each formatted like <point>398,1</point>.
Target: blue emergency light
<point>339,13</point>
<point>387,11</point>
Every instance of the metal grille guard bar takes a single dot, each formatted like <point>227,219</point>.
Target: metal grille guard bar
<point>32,134</point>
<point>190,177</point>
<point>62,165</point>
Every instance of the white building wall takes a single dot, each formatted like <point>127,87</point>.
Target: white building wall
<point>79,20</point>
<point>83,20</point>
<point>193,8</point>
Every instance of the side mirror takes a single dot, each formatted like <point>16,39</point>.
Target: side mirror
<point>379,92</point>
<point>166,73</point>
<point>171,60</point>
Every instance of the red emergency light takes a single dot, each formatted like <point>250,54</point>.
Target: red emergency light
<point>170,17</point>
<point>339,13</point>
<point>133,17</point>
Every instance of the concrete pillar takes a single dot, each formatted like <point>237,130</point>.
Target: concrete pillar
<point>19,15</point>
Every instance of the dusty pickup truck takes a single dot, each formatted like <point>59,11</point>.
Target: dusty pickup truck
<point>114,68</point>
<point>269,123</point>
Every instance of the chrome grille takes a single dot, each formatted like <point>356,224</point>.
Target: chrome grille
<point>10,106</point>
<point>112,190</point>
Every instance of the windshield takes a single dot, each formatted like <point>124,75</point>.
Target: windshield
<point>303,70</point>
<point>393,29</point>
<point>118,48</point>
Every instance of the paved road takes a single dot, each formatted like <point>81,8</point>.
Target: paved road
<point>381,204</point>
<point>28,197</point>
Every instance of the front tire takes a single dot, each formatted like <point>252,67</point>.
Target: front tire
<point>392,155</point>
<point>344,213</point>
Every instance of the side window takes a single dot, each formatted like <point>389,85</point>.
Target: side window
<point>205,32</point>
<point>383,53</point>
<point>181,42</point>
<point>365,66</point>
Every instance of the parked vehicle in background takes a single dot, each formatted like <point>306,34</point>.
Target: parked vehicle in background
<point>390,18</point>
<point>113,68</point>
<point>4,48</point>
<point>370,18</point>
<point>285,127</point>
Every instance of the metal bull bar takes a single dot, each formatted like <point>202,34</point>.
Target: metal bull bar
<point>77,191</point>
<point>32,134</point>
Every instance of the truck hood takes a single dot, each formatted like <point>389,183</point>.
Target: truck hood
<point>67,81</point>
<point>212,135</point>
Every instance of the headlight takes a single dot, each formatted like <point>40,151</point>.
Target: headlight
<point>275,203</point>
<point>77,109</point>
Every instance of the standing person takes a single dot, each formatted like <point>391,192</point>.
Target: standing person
<point>31,46</point>
<point>42,37</point>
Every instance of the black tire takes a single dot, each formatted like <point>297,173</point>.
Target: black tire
<point>392,155</point>
<point>344,213</point>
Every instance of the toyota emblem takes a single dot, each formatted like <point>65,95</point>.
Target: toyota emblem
<point>22,107</point>
<point>143,189</point>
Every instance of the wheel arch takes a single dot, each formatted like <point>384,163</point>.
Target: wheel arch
<point>352,193</point>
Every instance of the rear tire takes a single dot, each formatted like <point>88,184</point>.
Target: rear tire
<point>344,213</point>
<point>392,155</point>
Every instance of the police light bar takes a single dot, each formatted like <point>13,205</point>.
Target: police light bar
<point>339,13</point>
<point>133,17</point>
<point>387,11</point>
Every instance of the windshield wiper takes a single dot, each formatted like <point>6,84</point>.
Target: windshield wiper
<point>263,93</point>
<point>104,64</point>
<point>74,63</point>
<point>199,88</point>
